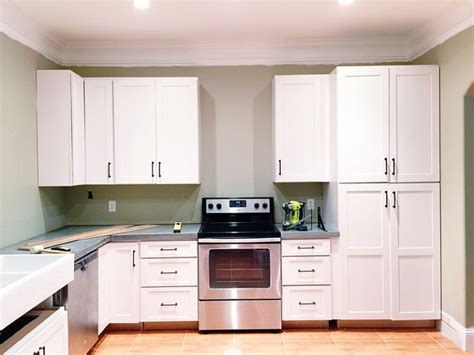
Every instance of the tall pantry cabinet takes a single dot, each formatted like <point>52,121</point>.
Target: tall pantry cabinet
<point>388,192</point>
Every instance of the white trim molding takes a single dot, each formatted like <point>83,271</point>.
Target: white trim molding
<point>457,333</point>
<point>329,51</point>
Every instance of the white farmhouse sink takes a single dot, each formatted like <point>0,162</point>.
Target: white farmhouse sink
<point>27,280</point>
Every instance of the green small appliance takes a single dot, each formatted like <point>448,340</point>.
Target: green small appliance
<point>294,215</point>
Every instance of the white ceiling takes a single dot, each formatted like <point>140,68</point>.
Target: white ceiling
<point>226,31</point>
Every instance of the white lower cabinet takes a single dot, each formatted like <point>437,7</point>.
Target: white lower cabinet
<point>307,303</point>
<point>169,272</point>
<point>165,304</point>
<point>49,337</point>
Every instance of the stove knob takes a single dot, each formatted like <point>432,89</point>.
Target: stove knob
<point>265,205</point>
<point>219,206</point>
<point>210,206</point>
<point>257,206</point>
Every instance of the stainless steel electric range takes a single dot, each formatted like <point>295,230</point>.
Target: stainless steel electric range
<point>239,265</point>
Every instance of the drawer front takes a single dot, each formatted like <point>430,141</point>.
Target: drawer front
<point>169,272</point>
<point>307,303</point>
<point>169,304</point>
<point>168,249</point>
<point>306,270</point>
<point>306,247</point>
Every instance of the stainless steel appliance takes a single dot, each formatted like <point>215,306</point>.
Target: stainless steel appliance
<point>239,265</point>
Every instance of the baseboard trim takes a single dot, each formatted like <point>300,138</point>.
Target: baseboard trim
<point>456,332</point>
<point>385,323</point>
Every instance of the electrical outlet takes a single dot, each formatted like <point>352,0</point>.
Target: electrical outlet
<point>113,206</point>
<point>310,204</point>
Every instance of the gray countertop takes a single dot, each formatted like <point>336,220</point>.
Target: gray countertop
<point>314,233</point>
<point>161,232</point>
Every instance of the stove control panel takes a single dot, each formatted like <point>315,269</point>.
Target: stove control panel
<point>238,205</point>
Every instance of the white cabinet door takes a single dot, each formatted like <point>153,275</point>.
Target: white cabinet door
<point>99,131</point>
<point>415,251</point>
<point>135,131</point>
<point>306,303</point>
<point>414,123</point>
<point>103,289</point>
<point>365,265</point>
<point>124,284</point>
<point>363,124</point>
<point>169,304</point>
<point>177,130</point>
<point>300,128</point>
<point>78,134</point>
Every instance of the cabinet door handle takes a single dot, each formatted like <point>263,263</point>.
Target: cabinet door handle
<point>303,248</point>
<point>279,167</point>
<point>152,169</point>
<point>43,348</point>
<point>312,270</point>
<point>394,199</point>
<point>386,199</point>
<point>168,272</point>
<point>307,303</point>
<point>393,166</point>
<point>108,170</point>
<point>159,169</point>
<point>133,258</point>
<point>168,249</point>
<point>169,304</point>
<point>386,166</point>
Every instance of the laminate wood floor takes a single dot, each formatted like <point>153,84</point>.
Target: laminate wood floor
<point>288,342</point>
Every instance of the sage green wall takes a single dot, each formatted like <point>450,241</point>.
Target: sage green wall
<point>456,60</point>
<point>236,133</point>
<point>25,210</point>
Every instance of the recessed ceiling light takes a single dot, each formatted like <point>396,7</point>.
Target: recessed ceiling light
<point>345,2</point>
<point>141,4</point>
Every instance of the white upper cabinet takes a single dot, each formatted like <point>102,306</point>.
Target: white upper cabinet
<point>388,124</point>
<point>363,124</point>
<point>300,128</point>
<point>135,131</point>
<point>177,130</point>
<point>99,131</point>
<point>414,123</point>
<point>60,115</point>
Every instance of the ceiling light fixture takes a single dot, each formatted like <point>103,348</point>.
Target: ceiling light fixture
<point>141,4</point>
<point>345,2</point>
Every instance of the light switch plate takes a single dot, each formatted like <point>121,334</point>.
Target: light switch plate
<point>112,206</point>
<point>310,204</point>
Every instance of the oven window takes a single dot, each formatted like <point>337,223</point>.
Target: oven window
<point>239,268</point>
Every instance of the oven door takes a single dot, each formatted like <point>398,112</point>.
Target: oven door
<point>238,271</point>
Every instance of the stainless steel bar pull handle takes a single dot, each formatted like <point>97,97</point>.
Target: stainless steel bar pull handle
<point>386,199</point>
<point>169,304</point>
<point>312,270</point>
<point>109,175</point>
<point>168,249</point>
<point>279,167</point>
<point>302,248</point>
<point>133,258</point>
<point>152,169</point>
<point>307,303</point>
<point>393,166</point>
<point>386,166</point>
<point>159,169</point>
<point>168,272</point>
<point>394,199</point>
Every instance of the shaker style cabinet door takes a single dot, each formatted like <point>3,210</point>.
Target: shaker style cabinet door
<point>300,128</point>
<point>124,282</point>
<point>365,251</point>
<point>177,130</point>
<point>99,131</point>
<point>415,251</point>
<point>135,131</point>
<point>414,123</point>
<point>363,124</point>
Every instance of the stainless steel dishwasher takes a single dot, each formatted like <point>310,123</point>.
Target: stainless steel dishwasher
<point>81,301</point>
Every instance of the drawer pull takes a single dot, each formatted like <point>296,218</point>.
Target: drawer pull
<point>169,304</point>
<point>312,270</point>
<point>307,303</point>
<point>169,249</point>
<point>168,272</point>
<point>302,248</point>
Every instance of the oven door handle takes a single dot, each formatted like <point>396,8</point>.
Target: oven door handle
<point>238,241</point>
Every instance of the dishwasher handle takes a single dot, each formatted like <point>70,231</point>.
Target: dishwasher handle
<point>83,263</point>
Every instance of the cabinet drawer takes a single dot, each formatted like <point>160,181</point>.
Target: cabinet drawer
<point>169,272</point>
<point>306,270</point>
<point>166,304</point>
<point>306,247</point>
<point>307,303</point>
<point>169,249</point>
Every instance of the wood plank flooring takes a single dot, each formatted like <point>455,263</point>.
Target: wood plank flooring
<point>288,342</point>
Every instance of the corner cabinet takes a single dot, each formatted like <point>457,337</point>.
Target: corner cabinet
<point>388,123</point>
<point>60,116</point>
<point>301,128</point>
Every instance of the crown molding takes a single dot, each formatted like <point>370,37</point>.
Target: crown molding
<point>331,51</point>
